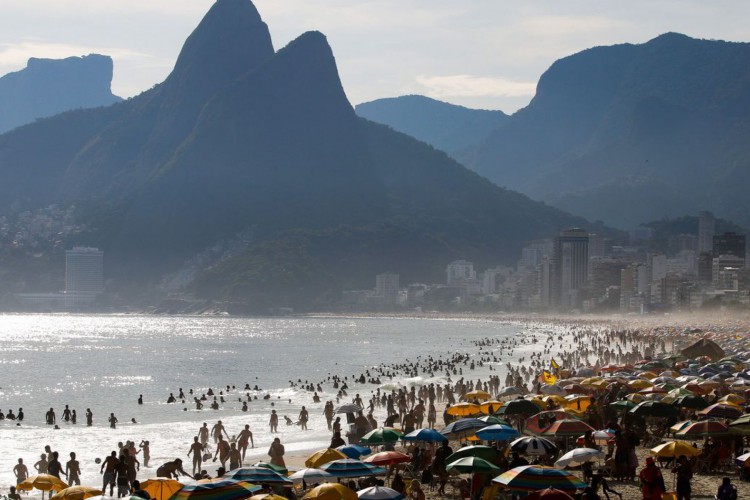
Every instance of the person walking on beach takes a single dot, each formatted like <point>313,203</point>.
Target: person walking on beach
<point>243,437</point>
<point>276,452</point>
<point>20,471</point>
<point>123,482</point>
<point>217,431</point>
<point>222,452</point>
<point>112,421</point>
<point>196,449</point>
<point>328,412</point>
<point>303,416</point>
<point>73,470</point>
<point>203,434</point>
<point>89,417</point>
<point>235,457</point>
<point>274,421</point>
<point>109,471</point>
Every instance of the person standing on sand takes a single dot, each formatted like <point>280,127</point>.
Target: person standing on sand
<point>222,452</point>
<point>73,470</point>
<point>274,421</point>
<point>276,452</point>
<point>203,434</point>
<point>303,416</point>
<point>652,482</point>
<point>243,437</point>
<point>21,471</point>
<point>196,449</point>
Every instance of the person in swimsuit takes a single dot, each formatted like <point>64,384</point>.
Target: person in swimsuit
<point>73,470</point>
<point>244,436</point>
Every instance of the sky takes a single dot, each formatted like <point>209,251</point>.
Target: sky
<point>478,53</point>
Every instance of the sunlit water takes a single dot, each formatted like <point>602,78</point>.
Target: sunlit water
<point>105,362</point>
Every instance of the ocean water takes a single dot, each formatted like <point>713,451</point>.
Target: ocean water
<point>104,362</point>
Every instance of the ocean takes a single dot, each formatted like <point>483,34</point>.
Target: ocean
<point>104,362</point>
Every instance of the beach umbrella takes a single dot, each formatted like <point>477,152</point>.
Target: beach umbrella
<point>276,468</point>
<point>566,428</point>
<point>267,496</point>
<point>721,410</point>
<point>672,449</point>
<point>217,489</point>
<point>741,425</point>
<point>498,432</point>
<point>43,482</point>
<point>574,389</point>
<point>639,384</point>
<point>161,488</point>
<point>601,437</point>
<point>534,446</point>
<point>542,420</point>
<point>387,458</point>
<point>490,407</point>
<point>732,399</point>
<point>379,493</point>
<point>508,392</point>
<point>578,456</point>
<point>256,475</point>
<point>381,435</point>
<point>323,457</point>
<point>77,493</point>
<point>585,371</point>
<point>742,460</point>
<point>310,476</point>
<point>351,468</point>
<point>655,409</point>
<point>548,494</point>
<point>464,427</point>
<point>472,465</point>
<point>623,405</point>
<point>704,347</point>
<point>703,428</point>
<point>426,435</point>
<point>578,402</point>
<point>484,452</point>
<point>464,410</point>
<point>691,401</point>
<point>553,390</point>
<point>493,420</point>
<point>518,407</point>
<point>679,426</point>
<point>330,491</point>
<point>348,408</point>
<point>478,395</point>
<point>354,450</point>
<point>533,478</point>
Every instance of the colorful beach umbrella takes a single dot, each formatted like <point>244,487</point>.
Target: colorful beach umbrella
<point>703,428</point>
<point>484,452</point>
<point>161,488</point>
<point>533,478</point>
<point>567,428</point>
<point>578,456</point>
<point>311,476</point>
<point>256,475</point>
<point>722,410</point>
<point>534,446</point>
<point>321,457</point>
<point>387,458</point>
<point>267,496</point>
<point>673,449</point>
<point>218,489</point>
<point>348,408</point>
<point>464,410</point>
<point>276,468</point>
<point>381,435</point>
<point>472,465</point>
<point>355,451</point>
<point>352,468</point>
<point>330,491</point>
<point>741,425</point>
<point>498,432</point>
<point>76,493</point>
<point>548,494</point>
<point>379,493</point>
<point>425,435</point>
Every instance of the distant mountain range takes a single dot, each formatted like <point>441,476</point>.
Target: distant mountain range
<point>625,133</point>
<point>244,143</point>
<point>47,87</point>
<point>454,129</point>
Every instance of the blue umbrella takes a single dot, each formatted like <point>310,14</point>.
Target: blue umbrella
<point>351,468</point>
<point>256,475</point>
<point>354,450</point>
<point>426,435</point>
<point>498,432</point>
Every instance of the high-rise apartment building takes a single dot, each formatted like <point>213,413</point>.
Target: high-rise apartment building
<point>571,263</point>
<point>84,271</point>
<point>387,288</point>
<point>729,244</point>
<point>706,232</point>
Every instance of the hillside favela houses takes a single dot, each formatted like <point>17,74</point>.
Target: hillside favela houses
<point>578,271</point>
<point>84,284</point>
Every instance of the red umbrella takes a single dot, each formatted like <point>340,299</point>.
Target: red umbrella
<point>387,458</point>
<point>564,428</point>
<point>549,494</point>
<point>721,410</point>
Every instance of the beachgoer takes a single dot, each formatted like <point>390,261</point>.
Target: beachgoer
<point>684,473</point>
<point>50,417</point>
<point>303,416</point>
<point>235,457</point>
<point>13,495</point>
<point>171,469</point>
<point>123,480</point>
<point>274,421</point>
<point>112,421</point>
<point>276,452</point>
<point>196,449</point>
<point>415,490</point>
<point>652,482</point>
<point>217,430</point>
<point>139,492</point>
<point>109,471</point>
<point>727,491</point>
<point>20,471</point>
<point>222,452</point>
<point>203,434</point>
<point>73,470</point>
<point>89,417</point>
<point>54,467</point>
<point>146,448</point>
<point>41,464</point>
<point>243,437</point>
<point>439,465</point>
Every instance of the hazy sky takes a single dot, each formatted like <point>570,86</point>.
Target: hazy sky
<point>479,53</point>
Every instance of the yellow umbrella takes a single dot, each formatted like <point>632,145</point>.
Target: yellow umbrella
<point>44,482</point>
<point>591,381</point>
<point>648,375</point>
<point>490,407</point>
<point>478,394</point>
<point>577,402</point>
<point>330,491</point>
<point>635,397</point>
<point>536,401</point>
<point>732,399</point>
<point>161,488</point>
<point>558,400</point>
<point>322,457</point>
<point>640,384</point>
<point>464,410</point>
<point>673,449</point>
<point>76,493</point>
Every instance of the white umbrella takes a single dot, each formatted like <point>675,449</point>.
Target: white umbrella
<point>379,493</point>
<point>578,456</point>
<point>311,476</point>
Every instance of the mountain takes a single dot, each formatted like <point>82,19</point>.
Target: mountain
<point>450,128</point>
<point>633,132</point>
<point>47,87</point>
<point>244,146</point>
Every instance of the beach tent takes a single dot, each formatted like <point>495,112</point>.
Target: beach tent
<point>704,347</point>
